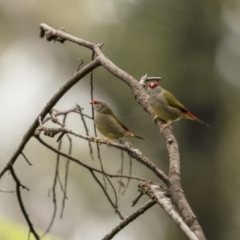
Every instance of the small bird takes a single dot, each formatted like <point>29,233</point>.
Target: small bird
<point>166,106</point>
<point>108,124</point>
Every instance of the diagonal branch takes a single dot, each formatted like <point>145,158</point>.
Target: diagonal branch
<point>137,89</point>
<point>127,147</point>
<point>155,192</point>
<point>175,189</point>
<point>51,103</point>
<point>129,219</point>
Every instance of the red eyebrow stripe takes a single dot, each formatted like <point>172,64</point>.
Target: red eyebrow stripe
<point>152,85</point>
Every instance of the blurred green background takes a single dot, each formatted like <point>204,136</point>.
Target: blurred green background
<point>193,45</point>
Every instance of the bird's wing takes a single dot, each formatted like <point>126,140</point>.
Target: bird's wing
<point>119,122</point>
<point>173,102</point>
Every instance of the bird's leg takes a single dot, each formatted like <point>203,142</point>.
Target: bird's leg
<point>166,125</point>
<point>104,139</point>
<point>108,141</point>
<point>128,144</point>
<point>98,139</point>
<point>154,118</point>
<point>163,125</point>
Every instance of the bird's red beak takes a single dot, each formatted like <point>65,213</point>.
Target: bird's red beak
<point>92,102</point>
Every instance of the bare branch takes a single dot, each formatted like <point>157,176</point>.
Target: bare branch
<point>55,98</point>
<point>121,169</point>
<point>100,161</point>
<point>175,189</point>
<point>85,165</point>
<point>155,192</point>
<point>135,200</point>
<point>127,147</point>
<point>138,91</point>
<point>130,173</point>
<point>8,191</point>
<point>24,156</point>
<point>66,176</point>
<point>95,130</point>
<point>86,130</point>
<point>129,219</point>
<point>20,201</point>
<point>53,189</point>
<point>53,34</point>
<point>107,195</point>
<point>56,112</point>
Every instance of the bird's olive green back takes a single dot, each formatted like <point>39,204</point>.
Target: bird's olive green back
<point>116,118</point>
<point>172,101</point>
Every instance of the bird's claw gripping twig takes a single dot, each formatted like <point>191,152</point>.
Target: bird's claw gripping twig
<point>166,125</point>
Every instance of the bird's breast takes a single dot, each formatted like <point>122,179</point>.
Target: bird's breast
<point>161,108</point>
<point>108,126</point>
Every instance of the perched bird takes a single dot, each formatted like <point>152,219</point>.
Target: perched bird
<point>108,124</point>
<point>166,106</point>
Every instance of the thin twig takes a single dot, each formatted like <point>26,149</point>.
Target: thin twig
<point>24,156</point>
<point>79,65</point>
<point>107,195</point>
<point>85,165</point>
<point>95,130</point>
<point>74,109</point>
<point>66,175</point>
<point>130,173</point>
<point>140,194</point>
<point>54,198</point>
<point>8,191</point>
<point>127,147</point>
<point>121,169</point>
<point>86,130</point>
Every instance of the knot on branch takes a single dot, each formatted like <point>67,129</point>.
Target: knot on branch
<point>50,132</point>
<point>145,188</point>
<point>99,45</point>
<point>133,152</point>
<point>190,221</point>
<point>52,34</point>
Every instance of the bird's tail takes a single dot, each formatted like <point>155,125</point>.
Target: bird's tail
<point>192,117</point>
<point>202,122</point>
<point>134,135</point>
